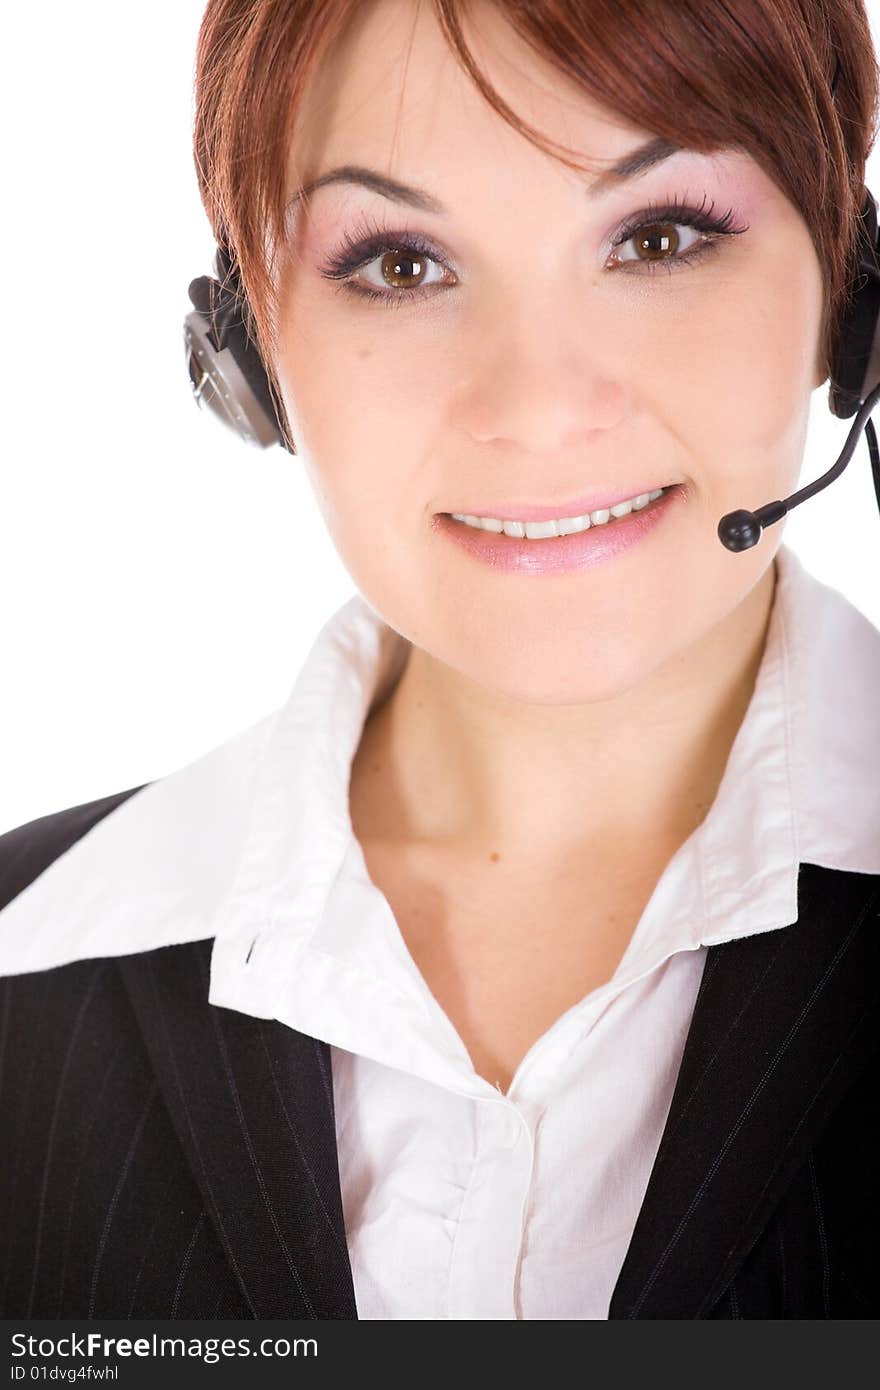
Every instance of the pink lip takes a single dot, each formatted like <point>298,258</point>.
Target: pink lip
<point>524,511</point>
<point>557,554</point>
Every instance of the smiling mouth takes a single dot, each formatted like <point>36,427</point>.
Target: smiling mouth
<point>528,528</point>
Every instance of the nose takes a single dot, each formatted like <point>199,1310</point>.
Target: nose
<point>546,383</point>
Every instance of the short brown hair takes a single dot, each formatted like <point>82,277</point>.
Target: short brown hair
<point>793,83</point>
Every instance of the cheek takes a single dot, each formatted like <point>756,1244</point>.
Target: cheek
<point>751,358</point>
<point>359,419</point>
<point>366,409</point>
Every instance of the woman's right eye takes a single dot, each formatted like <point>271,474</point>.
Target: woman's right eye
<point>394,269</point>
<point>396,259</point>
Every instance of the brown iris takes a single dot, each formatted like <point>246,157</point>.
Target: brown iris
<point>397,267</point>
<point>656,239</point>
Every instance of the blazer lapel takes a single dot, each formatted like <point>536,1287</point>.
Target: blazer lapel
<point>783,1023</point>
<point>252,1103</point>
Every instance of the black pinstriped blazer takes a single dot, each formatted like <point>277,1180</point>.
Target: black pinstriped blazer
<point>161,1157</point>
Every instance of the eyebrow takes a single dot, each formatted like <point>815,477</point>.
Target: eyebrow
<point>636,162</point>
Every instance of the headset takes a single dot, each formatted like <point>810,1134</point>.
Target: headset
<point>227,374</point>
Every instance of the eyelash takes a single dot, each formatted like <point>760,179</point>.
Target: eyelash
<point>369,241</point>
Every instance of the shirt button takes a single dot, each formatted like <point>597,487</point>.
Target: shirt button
<point>505,1127</point>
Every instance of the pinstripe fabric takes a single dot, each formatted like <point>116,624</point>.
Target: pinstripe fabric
<point>782,1054</point>
<point>97,1206</point>
<point>163,1157</point>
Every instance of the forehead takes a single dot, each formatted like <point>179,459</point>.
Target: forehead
<point>392,97</point>
<point>392,92</point>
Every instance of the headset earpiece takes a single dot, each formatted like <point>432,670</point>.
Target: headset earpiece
<point>855,390</point>
<point>857,363</point>
<point>225,368</point>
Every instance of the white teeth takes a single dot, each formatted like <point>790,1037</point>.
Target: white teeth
<point>564,526</point>
<point>537,530</point>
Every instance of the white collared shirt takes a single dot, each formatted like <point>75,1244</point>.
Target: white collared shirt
<point>459,1201</point>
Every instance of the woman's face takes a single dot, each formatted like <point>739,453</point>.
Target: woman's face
<point>518,356</point>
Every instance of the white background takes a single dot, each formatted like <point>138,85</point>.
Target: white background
<point>162,582</point>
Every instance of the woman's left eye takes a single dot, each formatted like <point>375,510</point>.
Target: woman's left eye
<point>655,235</point>
<point>656,242</point>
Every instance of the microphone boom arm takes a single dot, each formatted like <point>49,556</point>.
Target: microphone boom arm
<point>742,529</point>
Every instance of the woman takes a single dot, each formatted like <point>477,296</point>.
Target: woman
<point>523,964</point>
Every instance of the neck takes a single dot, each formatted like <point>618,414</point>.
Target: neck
<point>448,762</point>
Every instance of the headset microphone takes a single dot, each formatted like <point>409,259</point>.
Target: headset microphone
<point>855,389</point>
<point>740,530</point>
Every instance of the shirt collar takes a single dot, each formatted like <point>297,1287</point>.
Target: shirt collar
<point>801,783</point>
<point>246,843</point>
